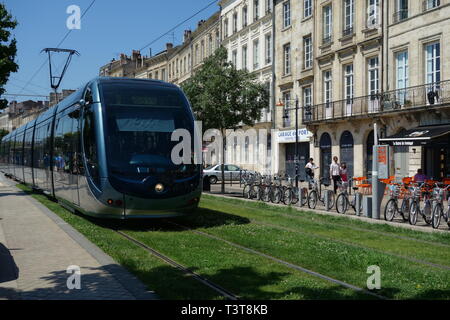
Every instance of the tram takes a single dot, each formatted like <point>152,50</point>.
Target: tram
<point>105,151</point>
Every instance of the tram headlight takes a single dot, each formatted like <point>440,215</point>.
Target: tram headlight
<point>159,188</point>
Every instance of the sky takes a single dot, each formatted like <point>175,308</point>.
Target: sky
<point>110,27</point>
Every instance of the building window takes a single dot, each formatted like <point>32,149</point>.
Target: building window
<point>433,63</point>
<point>348,84</point>
<point>202,50</point>
<point>349,16</point>
<point>307,102</point>
<point>373,18</point>
<point>431,4</point>
<point>307,49</point>
<point>401,59</point>
<point>307,8</point>
<point>244,17</point>
<point>373,69</point>
<point>401,10</point>
<point>327,24</point>
<point>196,55</point>
<point>255,54</point>
<point>163,74</point>
<point>244,58</point>
<point>235,22</point>
<point>268,48</point>
<point>286,14</point>
<point>255,10</point>
<point>217,39</point>
<point>269,6</point>
<point>287,59</point>
<point>225,28</point>
<point>210,45</point>
<point>234,58</point>
<point>286,111</point>
<point>327,87</point>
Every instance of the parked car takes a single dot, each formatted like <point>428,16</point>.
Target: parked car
<point>214,173</point>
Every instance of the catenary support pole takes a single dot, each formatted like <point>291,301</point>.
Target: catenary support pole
<point>375,204</point>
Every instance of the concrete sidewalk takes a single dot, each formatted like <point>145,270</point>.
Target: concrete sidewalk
<point>37,247</point>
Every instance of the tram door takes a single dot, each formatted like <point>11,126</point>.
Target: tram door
<point>74,164</point>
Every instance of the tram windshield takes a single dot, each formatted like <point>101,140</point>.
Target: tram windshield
<point>139,121</point>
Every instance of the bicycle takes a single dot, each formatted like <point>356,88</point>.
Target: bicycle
<point>438,210</point>
<point>291,193</point>
<point>251,188</point>
<point>315,195</point>
<point>392,205</point>
<point>343,201</point>
<point>416,209</point>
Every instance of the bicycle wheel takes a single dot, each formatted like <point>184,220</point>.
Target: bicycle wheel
<point>295,195</point>
<point>437,213</point>
<point>304,196</point>
<point>312,199</point>
<point>255,192</point>
<point>246,191</point>
<point>390,209</point>
<point>288,195</point>
<point>427,212</point>
<point>404,210</point>
<point>276,195</point>
<point>341,204</point>
<point>413,212</point>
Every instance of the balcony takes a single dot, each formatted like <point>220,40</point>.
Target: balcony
<point>400,15</point>
<point>430,4</point>
<point>423,97</point>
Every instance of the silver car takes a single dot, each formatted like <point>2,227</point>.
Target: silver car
<point>214,173</point>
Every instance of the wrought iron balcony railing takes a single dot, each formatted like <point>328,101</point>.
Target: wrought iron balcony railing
<point>400,15</point>
<point>347,31</point>
<point>423,96</point>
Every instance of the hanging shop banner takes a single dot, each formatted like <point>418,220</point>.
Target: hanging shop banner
<point>288,136</point>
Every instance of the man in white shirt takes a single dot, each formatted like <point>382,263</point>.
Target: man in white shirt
<point>309,169</point>
<point>335,173</point>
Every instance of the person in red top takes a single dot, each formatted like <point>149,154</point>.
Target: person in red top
<point>343,172</point>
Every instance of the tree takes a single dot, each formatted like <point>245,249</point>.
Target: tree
<point>8,50</point>
<point>223,97</point>
<point>3,132</point>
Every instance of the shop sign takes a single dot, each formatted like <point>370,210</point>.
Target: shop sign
<point>289,136</point>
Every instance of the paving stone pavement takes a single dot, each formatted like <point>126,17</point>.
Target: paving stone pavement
<point>37,247</point>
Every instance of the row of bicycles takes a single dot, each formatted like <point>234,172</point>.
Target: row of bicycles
<point>423,199</point>
<point>406,200</point>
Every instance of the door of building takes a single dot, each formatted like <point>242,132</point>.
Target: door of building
<point>325,155</point>
<point>303,153</point>
<point>346,147</point>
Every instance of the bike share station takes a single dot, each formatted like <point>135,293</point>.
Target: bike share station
<point>380,170</point>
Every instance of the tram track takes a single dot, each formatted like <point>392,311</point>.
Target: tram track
<point>217,288</point>
<point>352,244</point>
<point>323,223</point>
<point>279,261</point>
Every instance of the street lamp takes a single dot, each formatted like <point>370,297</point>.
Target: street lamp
<point>286,116</point>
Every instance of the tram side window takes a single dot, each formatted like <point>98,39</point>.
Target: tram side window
<point>39,147</point>
<point>18,150</point>
<point>27,148</point>
<point>90,145</point>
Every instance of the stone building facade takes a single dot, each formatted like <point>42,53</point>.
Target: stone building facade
<point>382,62</point>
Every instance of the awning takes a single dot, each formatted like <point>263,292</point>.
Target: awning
<point>418,136</point>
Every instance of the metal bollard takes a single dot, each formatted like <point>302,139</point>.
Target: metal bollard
<point>358,203</point>
<point>300,197</point>
<point>326,198</point>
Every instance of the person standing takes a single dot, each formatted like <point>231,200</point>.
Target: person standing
<point>309,169</point>
<point>335,173</point>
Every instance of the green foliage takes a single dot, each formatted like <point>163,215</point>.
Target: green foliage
<point>223,97</point>
<point>3,133</point>
<point>8,49</point>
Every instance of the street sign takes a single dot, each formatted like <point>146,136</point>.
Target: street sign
<point>382,161</point>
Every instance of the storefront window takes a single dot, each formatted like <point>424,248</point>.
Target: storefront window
<point>325,155</point>
<point>346,147</point>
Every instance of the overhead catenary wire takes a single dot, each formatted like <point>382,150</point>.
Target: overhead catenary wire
<point>59,44</point>
<point>178,25</point>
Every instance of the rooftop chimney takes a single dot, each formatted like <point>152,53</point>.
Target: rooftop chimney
<point>187,35</point>
<point>169,46</point>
